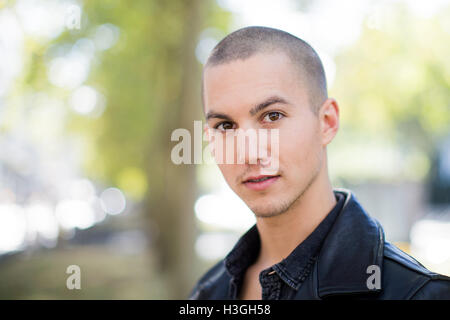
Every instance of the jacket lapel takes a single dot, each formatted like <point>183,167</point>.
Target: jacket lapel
<point>355,242</point>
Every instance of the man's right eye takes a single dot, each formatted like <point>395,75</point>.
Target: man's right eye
<point>224,126</point>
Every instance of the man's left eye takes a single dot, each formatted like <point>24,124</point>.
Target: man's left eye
<point>272,116</point>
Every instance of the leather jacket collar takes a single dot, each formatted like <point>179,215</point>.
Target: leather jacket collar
<point>355,242</point>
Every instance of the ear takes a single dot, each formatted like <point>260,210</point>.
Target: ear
<point>329,120</point>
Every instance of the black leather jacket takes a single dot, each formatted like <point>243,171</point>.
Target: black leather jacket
<point>343,267</point>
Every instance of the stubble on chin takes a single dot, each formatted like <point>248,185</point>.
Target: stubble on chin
<point>274,210</point>
<point>277,208</point>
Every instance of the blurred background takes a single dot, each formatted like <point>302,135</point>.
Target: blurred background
<point>90,92</point>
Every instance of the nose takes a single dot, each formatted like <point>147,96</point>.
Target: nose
<point>259,147</point>
<point>252,146</point>
<point>246,146</point>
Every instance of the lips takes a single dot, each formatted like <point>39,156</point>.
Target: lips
<point>260,182</point>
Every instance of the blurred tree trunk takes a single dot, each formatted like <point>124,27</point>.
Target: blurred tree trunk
<point>171,207</point>
<point>151,81</point>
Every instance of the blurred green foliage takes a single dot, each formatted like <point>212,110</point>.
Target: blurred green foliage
<point>150,80</point>
<point>393,89</point>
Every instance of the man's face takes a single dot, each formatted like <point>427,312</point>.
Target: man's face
<point>231,93</point>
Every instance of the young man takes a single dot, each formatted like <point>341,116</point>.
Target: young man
<point>309,241</point>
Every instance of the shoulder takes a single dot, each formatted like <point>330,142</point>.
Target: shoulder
<point>213,284</point>
<point>406,278</point>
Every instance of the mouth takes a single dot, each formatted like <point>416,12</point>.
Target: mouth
<point>260,182</point>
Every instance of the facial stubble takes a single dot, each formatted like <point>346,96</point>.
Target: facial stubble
<point>287,205</point>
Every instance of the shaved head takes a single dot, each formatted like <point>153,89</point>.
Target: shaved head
<point>246,42</point>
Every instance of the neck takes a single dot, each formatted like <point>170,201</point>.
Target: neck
<point>281,234</point>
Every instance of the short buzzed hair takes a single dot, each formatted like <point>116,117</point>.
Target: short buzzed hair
<point>245,42</point>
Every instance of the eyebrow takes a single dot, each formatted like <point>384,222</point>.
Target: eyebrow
<point>260,106</point>
<point>212,114</point>
<point>267,103</point>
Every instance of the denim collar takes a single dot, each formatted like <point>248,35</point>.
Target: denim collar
<point>295,267</point>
